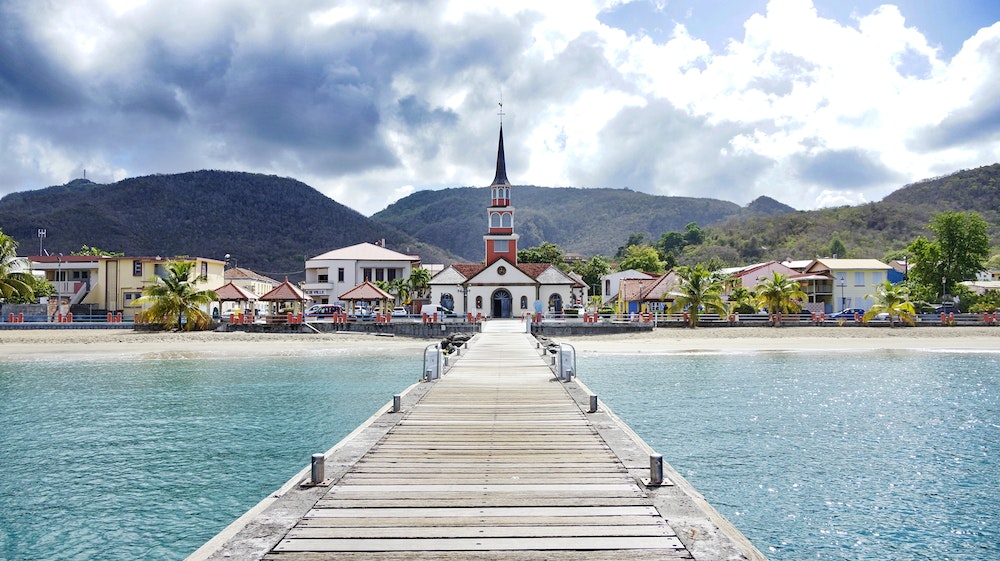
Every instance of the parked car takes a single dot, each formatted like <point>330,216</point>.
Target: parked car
<point>946,309</point>
<point>847,313</point>
<point>323,310</point>
<point>400,311</point>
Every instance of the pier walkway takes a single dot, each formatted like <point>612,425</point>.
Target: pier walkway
<point>495,460</point>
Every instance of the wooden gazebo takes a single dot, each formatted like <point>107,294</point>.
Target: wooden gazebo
<point>366,292</point>
<point>230,292</point>
<point>286,297</point>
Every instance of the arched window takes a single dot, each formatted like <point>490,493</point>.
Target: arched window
<point>524,302</point>
<point>447,301</point>
<point>479,302</point>
<point>495,220</point>
<point>506,220</point>
<point>555,302</point>
<point>506,192</point>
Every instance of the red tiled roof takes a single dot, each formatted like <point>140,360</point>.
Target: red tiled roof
<point>285,291</point>
<point>231,292</point>
<point>469,270</point>
<point>365,291</point>
<point>533,270</point>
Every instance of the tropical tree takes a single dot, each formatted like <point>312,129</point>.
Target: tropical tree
<point>547,252</point>
<point>400,288</point>
<point>420,279</point>
<point>174,298</point>
<point>592,271</point>
<point>15,278</point>
<point>893,299</point>
<point>641,258</point>
<point>779,294</point>
<point>96,251</point>
<point>959,252</point>
<point>698,291</point>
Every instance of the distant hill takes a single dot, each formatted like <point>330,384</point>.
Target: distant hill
<point>269,224</point>
<point>868,230</point>
<point>585,221</point>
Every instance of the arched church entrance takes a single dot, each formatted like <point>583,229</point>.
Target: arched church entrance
<point>501,303</point>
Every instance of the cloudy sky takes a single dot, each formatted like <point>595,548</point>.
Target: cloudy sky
<point>814,103</point>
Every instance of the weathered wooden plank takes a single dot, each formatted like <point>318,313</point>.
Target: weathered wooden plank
<point>519,511</point>
<point>480,500</point>
<point>507,555</point>
<point>477,521</point>
<point>628,488</point>
<point>432,532</point>
<point>481,544</point>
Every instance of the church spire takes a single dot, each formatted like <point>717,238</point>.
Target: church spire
<point>501,177</point>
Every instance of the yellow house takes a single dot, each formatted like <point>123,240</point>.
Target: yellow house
<point>121,280</point>
<point>844,283</point>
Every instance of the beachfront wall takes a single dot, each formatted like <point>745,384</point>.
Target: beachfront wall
<point>850,281</point>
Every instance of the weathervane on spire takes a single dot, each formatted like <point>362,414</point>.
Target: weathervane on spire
<point>501,113</point>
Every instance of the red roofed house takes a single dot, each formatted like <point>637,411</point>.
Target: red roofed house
<point>500,287</point>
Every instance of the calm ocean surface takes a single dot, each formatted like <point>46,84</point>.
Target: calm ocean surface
<point>878,455</point>
<point>854,456</point>
<point>150,459</point>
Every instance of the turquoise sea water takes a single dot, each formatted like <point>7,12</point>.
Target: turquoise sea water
<point>854,456</point>
<point>874,455</point>
<point>150,459</point>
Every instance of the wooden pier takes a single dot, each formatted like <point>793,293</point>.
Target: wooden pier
<point>495,460</point>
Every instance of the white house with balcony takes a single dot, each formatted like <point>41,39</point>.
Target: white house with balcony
<point>335,272</point>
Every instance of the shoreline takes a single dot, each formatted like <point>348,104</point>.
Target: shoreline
<point>791,339</point>
<point>77,344</point>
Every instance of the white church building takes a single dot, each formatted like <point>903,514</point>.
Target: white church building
<point>499,287</point>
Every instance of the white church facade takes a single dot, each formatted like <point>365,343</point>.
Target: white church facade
<point>500,287</point>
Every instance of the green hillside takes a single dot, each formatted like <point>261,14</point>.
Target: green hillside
<point>585,221</point>
<point>267,223</point>
<point>869,230</point>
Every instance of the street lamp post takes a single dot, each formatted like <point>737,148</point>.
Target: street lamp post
<point>842,282</point>
<point>59,284</point>
<point>944,283</point>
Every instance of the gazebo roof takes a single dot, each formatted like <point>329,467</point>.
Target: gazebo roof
<point>232,292</point>
<point>285,291</point>
<point>365,291</point>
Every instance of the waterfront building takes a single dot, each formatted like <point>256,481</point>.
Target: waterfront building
<point>335,272</point>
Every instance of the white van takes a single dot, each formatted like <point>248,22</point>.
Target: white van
<point>434,308</point>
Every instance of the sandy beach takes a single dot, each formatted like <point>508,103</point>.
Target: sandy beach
<point>58,344</point>
<point>78,344</point>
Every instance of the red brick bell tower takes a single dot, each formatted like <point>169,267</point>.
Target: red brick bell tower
<point>501,241</point>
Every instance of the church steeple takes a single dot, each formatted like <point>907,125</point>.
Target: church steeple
<point>501,177</point>
<point>501,241</point>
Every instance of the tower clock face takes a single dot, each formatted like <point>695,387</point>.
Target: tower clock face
<point>501,270</point>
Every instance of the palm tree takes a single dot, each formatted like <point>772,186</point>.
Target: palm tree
<point>893,299</point>
<point>15,280</point>
<point>174,297</point>
<point>420,281</point>
<point>697,291</point>
<point>400,288</point>
<point>779,294</point>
